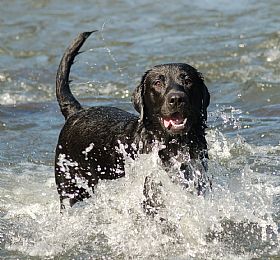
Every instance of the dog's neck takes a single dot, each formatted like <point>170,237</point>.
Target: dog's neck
<point>192,142</point>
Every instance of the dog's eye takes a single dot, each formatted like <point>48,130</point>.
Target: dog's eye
<point>186,79</point>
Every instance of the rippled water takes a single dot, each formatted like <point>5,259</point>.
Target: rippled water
<point>236,45</point>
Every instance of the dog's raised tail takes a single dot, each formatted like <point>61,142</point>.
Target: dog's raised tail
<point>69,105</point>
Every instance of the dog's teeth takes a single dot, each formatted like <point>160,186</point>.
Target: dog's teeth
<point>179,126</point>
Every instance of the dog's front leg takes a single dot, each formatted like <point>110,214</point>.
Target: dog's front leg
<point>153,201</point>
<point>194,174</point>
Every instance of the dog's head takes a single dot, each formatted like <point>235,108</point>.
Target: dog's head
<point>172,97</point>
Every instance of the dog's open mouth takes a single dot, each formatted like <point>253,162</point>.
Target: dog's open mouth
<point>175,123</point>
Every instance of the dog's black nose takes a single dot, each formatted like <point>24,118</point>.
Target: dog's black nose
<point>176,99</point>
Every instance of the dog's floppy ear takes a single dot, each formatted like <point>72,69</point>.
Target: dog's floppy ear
<point>205,101</point>
<point>205,98</point>
<point>138,97</point>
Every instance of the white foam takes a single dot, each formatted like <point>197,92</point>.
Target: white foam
<point>112,223</point>
<point>272,55</point>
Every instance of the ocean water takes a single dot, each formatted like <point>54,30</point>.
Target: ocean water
<point>236,45</point>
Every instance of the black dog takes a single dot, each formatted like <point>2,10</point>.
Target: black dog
<point>172,100</point>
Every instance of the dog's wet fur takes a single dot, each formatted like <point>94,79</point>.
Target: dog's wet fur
<point>172,101</point>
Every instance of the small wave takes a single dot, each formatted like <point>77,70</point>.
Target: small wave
<point>272,55</point>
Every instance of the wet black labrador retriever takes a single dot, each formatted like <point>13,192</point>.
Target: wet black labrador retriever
<point>171,99</point>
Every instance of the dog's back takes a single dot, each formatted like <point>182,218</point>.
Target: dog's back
<point>101,127</point>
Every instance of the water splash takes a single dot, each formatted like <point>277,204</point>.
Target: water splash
<point>236,220</point>
<point>109,52</point>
